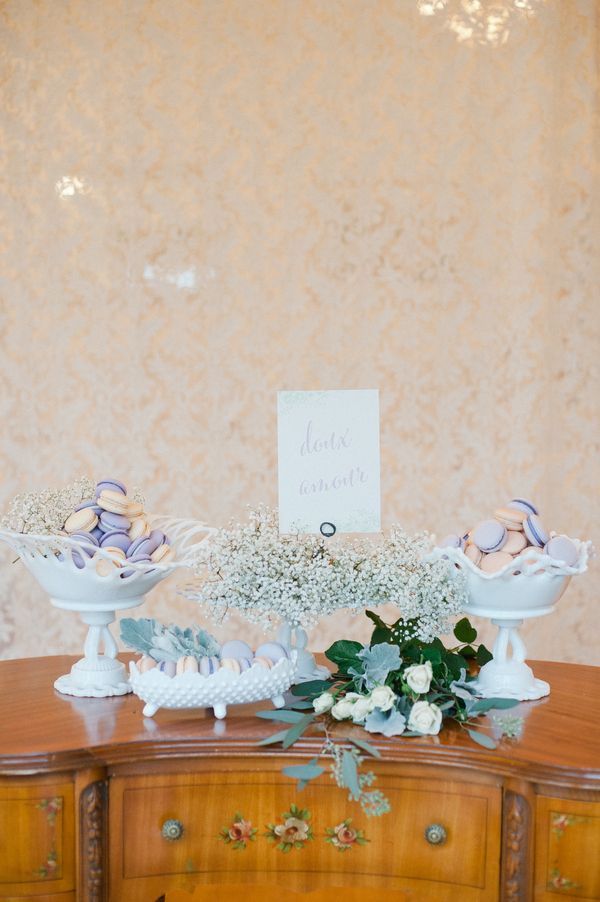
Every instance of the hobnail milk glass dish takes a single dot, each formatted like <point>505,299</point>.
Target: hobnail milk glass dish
<point>73,584</point>
<point>528,587</point>
<point>222,688</point>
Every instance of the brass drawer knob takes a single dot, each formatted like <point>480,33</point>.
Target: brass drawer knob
<point>435,834</point>
<point>172,830</point>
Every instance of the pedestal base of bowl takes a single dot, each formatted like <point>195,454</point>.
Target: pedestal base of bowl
<point>509,676</point>
<point>97,677</point>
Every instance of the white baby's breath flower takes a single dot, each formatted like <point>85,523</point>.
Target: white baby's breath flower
<point>419,676</point>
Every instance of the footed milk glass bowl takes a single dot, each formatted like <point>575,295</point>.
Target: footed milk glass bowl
<point>73,583</point>
<point>530,586</point>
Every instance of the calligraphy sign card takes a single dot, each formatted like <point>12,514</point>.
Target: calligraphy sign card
<point>328,461</point>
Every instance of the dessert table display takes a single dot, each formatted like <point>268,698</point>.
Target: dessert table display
<point>98,804</point>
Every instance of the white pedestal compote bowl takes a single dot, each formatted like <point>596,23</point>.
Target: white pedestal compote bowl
<point>528,587</point>
<point>75,582</point>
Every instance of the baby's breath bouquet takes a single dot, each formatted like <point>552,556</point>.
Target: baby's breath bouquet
<point>266,576</point>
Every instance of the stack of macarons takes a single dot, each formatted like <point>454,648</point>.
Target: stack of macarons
<point>117,524</point>
<point>235,656</point>
<point>513,530</point>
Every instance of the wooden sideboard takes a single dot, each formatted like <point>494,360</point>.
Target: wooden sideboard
<point>98,803</point>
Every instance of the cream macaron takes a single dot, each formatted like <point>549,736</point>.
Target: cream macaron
<point>187,664</point>
<point>231,664</point>
<point>81,521</point>
<point>139,527</point>
<point>263,662</point>
<point>115,502</point>
<point>495,561</point>
<point>134,509</point>
<point>104,566</point>
<point>474,553</point>
<point>145,663</point>
<point>515,542</point>
<point>162,555</point>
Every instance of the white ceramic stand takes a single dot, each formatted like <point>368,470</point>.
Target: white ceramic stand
<point>528,587</point>
<point>71,580</point>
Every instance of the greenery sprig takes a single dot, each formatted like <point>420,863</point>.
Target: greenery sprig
<point>397,685</point>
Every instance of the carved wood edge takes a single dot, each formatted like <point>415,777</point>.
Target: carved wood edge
<point>516,835</point>
<point>93,804</point>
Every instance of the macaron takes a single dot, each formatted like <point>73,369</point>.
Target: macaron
<point>208,665</point>
<point>561,548</point>
<point>139,558</point>
<point>85,538</point>
<point>92,504</point>
<point>452,541</point>
<point>113,485</point>
<point>535,531</point>
<point>187,664</point>
<point>150,543</point>
<point>163,554</point>
<point>105,567</point>
<point>138,528</point>
<point>134,509</point>
<point>521,504</point>
<point>79,558</point>
<point>231,664</point>
<point>113,501</point>
<point>473,553</point>
<point>116,539</point>
<point>510,517</point>
<point>145,663</point>
<point>273,650</point>
<point>133,548</point>
<point>515,542</point>
<point>489,536</point>
<point>236,648</point>
<point>114,521</point>
<point>115,552</point>
<point>245,663</point>
<point>168,667</point>
<point>96,532</point>
<point>495,561</point>
<point>81,521</point>
<point>263,662</point>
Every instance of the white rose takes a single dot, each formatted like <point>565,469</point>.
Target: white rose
<point>382,697</point>
<point>425,718</point>
<point>342,710</point>
<point>361,708</point>
<point>323,703</point>
<point>419,677</point>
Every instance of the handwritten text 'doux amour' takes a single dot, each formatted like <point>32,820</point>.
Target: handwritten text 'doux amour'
<point>313,444</point>
<point>354,477</point>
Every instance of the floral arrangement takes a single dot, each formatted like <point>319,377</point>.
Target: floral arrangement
<point>45,512</point>
<point>167,643</point>
<point>299,578</point>
<point>398,685</point>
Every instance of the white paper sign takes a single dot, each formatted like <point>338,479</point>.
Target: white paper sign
<point>329,461</point>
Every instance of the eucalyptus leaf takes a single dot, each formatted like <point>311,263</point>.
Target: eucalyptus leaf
<point>350,774</point>
<point>483,739</point>
<point>311,687</point>
<point>275,737</point>
<point>365,746</point>
<point>303,771</point>
<point>483,705</point>
<point>284,715</point>
<point>297,730</point>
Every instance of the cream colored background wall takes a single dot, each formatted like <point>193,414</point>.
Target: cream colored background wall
<point>298,194</point>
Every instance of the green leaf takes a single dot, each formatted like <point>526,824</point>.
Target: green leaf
<point>303,771</point>
<point>467,651</point>
<point>432,654</point>
<point>483,655</point>
<point>302,705</point>
<point>489,704</point>
<point>344,653</point>
<point>376,619</point>
<point>464,631</point>
<point>311,687</point>
<point>297,730</point>
<point>282,714</point>
<point>486,741</point>
<point>276,737</point>
<point>350,774</point>
<point>365,746</point>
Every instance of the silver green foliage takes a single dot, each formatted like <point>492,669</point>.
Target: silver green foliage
<point>167,643</point>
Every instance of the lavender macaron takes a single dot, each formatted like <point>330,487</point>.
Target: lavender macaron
<point>114,485</point>
<point>208,665</point>
<point>85,538</point>
<point>91,502</point>
<point>489,536</point>
<point>109,520</point>
<point>561,548</point>
<point>452,541</point>
<point>522,504</point>
<point>149,544</point>
<point>273,650</point>
<point>535,531</point>
<point>116,539</point>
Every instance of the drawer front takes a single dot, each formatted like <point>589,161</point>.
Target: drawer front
<point>253,822</point>
<point>567,849</point>
<point>36,838</point>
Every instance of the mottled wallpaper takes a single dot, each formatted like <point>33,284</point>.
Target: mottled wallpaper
<point>204,201</point>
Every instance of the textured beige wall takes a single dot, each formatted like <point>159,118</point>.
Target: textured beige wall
<point>299,194</point>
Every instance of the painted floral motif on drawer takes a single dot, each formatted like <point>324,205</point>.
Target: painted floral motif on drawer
<point>294,832</point>
<point>51,808</point>
<point>344,836</point>
<point>239,833</point>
